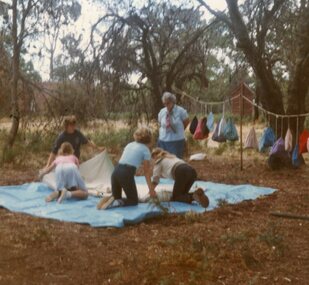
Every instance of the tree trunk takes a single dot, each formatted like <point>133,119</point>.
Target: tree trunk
<point>15,116</point>
<point>51,65</point>
<point>157,102</point>
<point>299,84</point>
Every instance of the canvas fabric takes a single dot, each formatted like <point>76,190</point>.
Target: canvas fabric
<point>251,139</point>
<point>288,140</point>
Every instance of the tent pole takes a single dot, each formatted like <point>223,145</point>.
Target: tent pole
<point>241,105</point>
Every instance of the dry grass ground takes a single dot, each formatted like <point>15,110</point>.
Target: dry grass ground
<point>239,244</point>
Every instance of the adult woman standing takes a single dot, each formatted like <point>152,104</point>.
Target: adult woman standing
<point>173,120</point>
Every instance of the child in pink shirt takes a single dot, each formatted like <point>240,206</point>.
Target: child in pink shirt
<point>68,179</point>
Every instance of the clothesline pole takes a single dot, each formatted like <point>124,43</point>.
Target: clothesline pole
<point>241,103</point>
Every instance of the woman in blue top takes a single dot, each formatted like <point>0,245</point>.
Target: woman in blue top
<point>173,120</point>
<point>134,154</point>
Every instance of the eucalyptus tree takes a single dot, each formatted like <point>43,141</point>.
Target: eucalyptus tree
<point>274,37</point>
<point>59,15</point>
<point>161,45</point>
<point>23,26</point>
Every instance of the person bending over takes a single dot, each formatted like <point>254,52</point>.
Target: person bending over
<point>134,154</point>
<point>168,165</point>
<point>68,179</point>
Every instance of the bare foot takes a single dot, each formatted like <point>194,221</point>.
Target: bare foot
<point>53,196</point>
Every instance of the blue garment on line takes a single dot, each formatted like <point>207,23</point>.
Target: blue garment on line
<point>29,199</point>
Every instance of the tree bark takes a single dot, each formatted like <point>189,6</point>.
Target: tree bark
<point>15,116</point>
<point>299,84</point>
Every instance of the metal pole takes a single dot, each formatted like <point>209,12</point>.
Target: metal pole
<point>241,104</point>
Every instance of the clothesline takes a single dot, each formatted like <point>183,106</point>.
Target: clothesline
<point>247,99</point>
<point>274,114</point>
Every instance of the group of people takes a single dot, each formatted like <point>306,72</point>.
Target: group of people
<point>167,158</point>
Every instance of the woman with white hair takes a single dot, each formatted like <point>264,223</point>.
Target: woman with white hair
<point>173,120</point>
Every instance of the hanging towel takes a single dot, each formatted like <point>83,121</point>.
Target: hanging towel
<point>288,141</point>
<point>303,138</point>
<point>216,136</point>
<point>230,131</point>
<point>268,139</point>
<point>210,122</point>
<point>201,131</point>
<point>193,125</point>
<point>251,140</point>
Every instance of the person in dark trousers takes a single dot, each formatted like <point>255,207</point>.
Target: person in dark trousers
<point>168,165</point>
<point>134,155</point>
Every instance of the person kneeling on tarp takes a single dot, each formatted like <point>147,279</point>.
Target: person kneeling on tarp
<point>134,154</point>
<point>168,165</point>
<point>68,179</point>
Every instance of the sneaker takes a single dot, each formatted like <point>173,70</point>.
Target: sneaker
<point>200,197</point>
<point>105,203</point>
<point>63,195</point>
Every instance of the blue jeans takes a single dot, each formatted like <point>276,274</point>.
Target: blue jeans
<point>174,147</point>
<point>123,178</point>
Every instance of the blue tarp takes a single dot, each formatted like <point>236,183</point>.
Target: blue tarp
<point>29,199</point>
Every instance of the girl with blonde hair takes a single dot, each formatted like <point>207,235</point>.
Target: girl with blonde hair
<point>68,179</point>
<point>168,165</point>
<point>134,155</point>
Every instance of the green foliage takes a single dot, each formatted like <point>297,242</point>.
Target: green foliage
<point>221,149</point>
<point>114,139</point>
<point>156,204</point>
